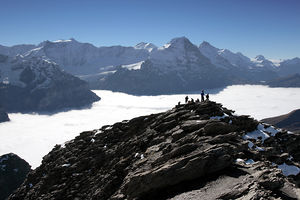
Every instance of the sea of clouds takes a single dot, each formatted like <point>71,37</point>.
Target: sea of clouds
<point>31,136</point>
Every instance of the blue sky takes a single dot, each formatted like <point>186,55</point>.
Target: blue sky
<point>268,27</point>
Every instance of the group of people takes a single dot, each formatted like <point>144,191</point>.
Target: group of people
<point>197,100</point>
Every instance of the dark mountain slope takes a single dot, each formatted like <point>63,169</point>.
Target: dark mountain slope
<point>288,81</point>
<point>198,150</point>
<point>290,121</point>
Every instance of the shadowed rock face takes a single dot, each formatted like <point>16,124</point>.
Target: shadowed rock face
<point>13,171</point>
<point>194,151</point>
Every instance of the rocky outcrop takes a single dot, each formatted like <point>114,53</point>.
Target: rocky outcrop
<point>3,115</point>
<point>13,171</point>
<point>194,151</point>
<point>290,121</point>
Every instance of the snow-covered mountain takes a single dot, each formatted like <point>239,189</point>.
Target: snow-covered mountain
<point>257,69</point>
<point>84,58</point>
<point>36,84</point>
<point>229,60</point>
<point>289,67</point>
<point>213,54</point>
<point>175,59</point>
<point>148,46</point>
<point>177,66</point>
<point>262,62</point>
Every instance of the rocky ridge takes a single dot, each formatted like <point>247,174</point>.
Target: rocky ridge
<point>13,171</point>
<point>193,151</point>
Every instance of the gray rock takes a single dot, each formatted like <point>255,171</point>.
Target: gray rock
<point>178,154</point>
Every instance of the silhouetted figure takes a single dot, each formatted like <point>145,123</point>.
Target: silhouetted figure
<point>207,97</point>
<point>197,100</point>
<point>202,96</point>
<point>186,99</point>
<point>178,103</point>
<point>192,100</point>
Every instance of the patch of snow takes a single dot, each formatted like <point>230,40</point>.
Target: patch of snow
<point>230,122</point>
<point>105,146</point>
<point>271,130</point>
<point>98,132</point>
<point>136,155</point>
<point>290,132</point>
<point>16,170</point>
<point>256,134</point>
<point>249,162</point>
<point>30,185</point>
<point>219,117</point>
<point>239,160</point>
<point>289,169</point>
<point>92,140</point>
<point>66,165</point>
<point>142,157</point>
<point>259,148</point>
<point>108,128</point>
<point>57,41</point>
<point>135,66</point>
<point>250,144</point>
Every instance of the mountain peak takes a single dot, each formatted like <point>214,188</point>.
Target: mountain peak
<point>62,40</point>
<point>204,44</point>
<point>178,42</point>
<point>143,45</point>
<point>260,57</point>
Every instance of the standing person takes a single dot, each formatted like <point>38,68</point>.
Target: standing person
<point>207,97</point>
<point>186,99</point>
<point>202,96</point>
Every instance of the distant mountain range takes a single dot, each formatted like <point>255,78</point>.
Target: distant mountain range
<point>290,121</point>
<point>287,81</point>
<point>177,66</point>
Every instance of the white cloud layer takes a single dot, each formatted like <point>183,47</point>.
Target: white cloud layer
<point>31,136</point>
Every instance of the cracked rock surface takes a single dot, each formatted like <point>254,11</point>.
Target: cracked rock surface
<point>193,151</point>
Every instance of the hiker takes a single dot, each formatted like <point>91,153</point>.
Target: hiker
<point>207,97</point>
<point>202,96</point>
<point>192,100</point>
<point>186,99</point>
<point>197,100</point>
